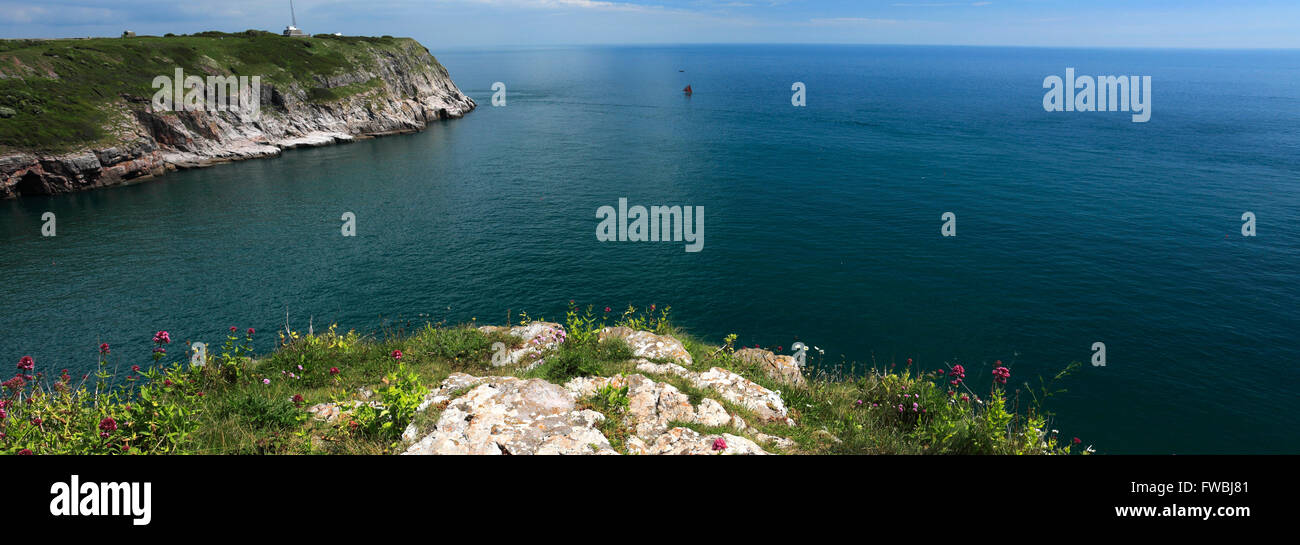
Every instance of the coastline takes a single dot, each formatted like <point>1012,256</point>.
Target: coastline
<point>400,88</point>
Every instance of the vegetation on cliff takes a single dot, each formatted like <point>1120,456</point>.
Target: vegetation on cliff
<point>335,392</point>
<point>58,95</point>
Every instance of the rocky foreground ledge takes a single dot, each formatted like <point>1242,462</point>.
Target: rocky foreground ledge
<point>510,415</point>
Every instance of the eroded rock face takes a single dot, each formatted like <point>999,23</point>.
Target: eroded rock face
<point>782,368</point>
<point>538,337</point>
<point>766,404</point>
<point>412,90</point>
<point>645,344</point>
<point>506,415</point>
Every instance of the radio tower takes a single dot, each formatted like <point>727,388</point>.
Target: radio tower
<point>293,30</point>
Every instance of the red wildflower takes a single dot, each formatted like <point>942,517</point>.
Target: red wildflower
<point>719,444</point>
<point>25,452</point>
<point>26,363</point>
<point>334,370</point>
<point>162,337</point>
<point>135,368</point>
<point>606,309</point>
<point>251,331</point>
<point>233,329</point>
<point>1076,440</point>
<point>108,424</point>
<point>397,354</point>
<point>103,348</point>
<point>297,399</point>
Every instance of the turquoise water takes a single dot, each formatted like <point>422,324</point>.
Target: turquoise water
<point>822,223</point>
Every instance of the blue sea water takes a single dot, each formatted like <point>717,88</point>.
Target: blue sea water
<point>822,223</point>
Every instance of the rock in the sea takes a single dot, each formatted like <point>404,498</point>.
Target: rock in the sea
<point>648,345</point>
<point>782,368</point>
<point>538,337</point>
<point>506,415</point>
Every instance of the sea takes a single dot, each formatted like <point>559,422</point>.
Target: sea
<point>823,223</point>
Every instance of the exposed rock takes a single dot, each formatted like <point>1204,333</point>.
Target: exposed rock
<point>766,404</point>
<point>782,368</point>
<point>651,405</point>
<point>648,345</point>
<point>411,90</point>
<point>688,441</point>
<point>711,413</point>
<point>780,442</point>
<point>333,412</point>
<point>538,337</point>
<point>506,415</point>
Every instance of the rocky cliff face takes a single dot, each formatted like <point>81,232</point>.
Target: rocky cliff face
<point>404,90</point>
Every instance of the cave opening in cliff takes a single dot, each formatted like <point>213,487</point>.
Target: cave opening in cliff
<point>31,184</point>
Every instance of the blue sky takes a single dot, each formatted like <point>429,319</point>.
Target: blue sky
<point>477,23</point>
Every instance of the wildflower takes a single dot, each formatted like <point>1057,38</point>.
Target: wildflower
<point>397,354</point>
<point>200,394</point>
<point>909,361</point>
<point>233,329</point>
<point>266,381</point>
<point>652,307</point>
<point>334,370</point>
<point>162,337</point>
<point>108,424</point>
<point>251,331</point>
<point>965,397</point>
<point>25,452</point>
<point>942,372</point>
<point>1076,440</point>
<point>3,414</point>
<point>167,382</point>
<point>135,368</point>
<point>1001,374</point>
<point>160,351</point>
<point>36,421</point>
<point>719,444</point>
<point>103,348</point>
<point>859,403</point>
<point>297,399</point>
<point>26,363</point>
<point>300,368</point>
<point>606,309</point>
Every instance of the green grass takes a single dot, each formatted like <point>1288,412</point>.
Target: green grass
<point>236,404</point>
<point>65,92</point>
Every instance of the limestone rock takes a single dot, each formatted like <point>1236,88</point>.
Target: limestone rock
<point>782,368</point>
<point>410,90</point>
<point>688,441</point>
<point>648,345</point>
<point>538,337</point>
<point>766,404</point>
<point>506,415</point>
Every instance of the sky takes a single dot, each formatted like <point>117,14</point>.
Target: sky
<point>441,24</point>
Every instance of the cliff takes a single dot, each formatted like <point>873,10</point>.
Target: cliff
<point>81,114</point>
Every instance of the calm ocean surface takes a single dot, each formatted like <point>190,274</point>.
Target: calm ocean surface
<point>820,222</point>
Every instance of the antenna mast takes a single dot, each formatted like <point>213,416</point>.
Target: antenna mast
<point>293,14</point>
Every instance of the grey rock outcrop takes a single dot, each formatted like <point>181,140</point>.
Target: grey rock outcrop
<point>411,90</point>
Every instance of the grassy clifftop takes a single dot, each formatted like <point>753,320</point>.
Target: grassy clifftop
<point>344,393</point>
<point>57,95</point>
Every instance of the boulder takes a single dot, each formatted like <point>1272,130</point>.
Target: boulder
<point>538,337</point>
<point>645,344</point>
<point>782,368</point>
